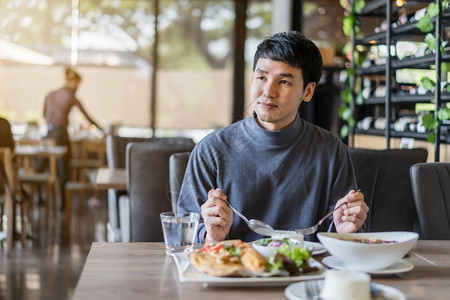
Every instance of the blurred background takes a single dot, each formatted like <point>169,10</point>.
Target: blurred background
<point>166,67</point>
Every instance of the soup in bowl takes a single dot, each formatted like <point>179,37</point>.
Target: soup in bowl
<point>368,251</point>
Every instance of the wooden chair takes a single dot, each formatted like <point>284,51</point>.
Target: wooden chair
<point>90,156</point>
<point>13,197</point>
<point>93,156</point>
<point>29,176</point>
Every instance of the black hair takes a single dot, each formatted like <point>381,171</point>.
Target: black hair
<point>295,50</point>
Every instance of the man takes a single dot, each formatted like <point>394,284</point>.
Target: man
<point>57,107</point>
<point>273,166</point>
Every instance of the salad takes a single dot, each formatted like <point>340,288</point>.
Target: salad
<point>292,259</point>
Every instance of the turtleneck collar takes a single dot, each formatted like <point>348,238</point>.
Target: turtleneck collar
<point>273,137</point>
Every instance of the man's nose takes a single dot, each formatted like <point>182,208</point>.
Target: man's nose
<point>269,90</point>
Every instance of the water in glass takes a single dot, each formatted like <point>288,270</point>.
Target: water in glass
<point>179,231</point>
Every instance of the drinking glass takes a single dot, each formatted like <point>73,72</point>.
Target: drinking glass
<point>179,231</point>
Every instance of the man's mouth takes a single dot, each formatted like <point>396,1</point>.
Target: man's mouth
<point>267,105</point>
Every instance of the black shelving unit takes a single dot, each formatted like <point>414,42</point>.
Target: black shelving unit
<point>387,10</point>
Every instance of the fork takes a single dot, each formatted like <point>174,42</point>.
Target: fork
<point>312,289</point>
<point>313,229</point>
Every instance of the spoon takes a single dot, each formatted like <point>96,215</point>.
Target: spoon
<point>255,225</point>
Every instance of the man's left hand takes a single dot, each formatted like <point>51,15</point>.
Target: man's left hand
<point>351,216</point>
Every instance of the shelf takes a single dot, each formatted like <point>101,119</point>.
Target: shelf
<point>370,131</point>
<point>375,69</point>
<point>396,134</point>
<point>374,100</point>
<point>386,71</point>
<point>423,62</point>
<point>445,97</point>
<point>379,38</point>
<point>409,134</point>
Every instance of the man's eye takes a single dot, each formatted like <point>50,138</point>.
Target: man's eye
<point>285,82</point>
<point>260,77</point>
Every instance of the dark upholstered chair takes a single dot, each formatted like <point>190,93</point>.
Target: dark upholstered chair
<point>147,167</point>
<point>383,177</point>
<point>177,168</point>
<point>431,190</point>
<point>115,154</point>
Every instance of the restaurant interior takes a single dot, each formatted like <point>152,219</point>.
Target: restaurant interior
<point>158,76</point>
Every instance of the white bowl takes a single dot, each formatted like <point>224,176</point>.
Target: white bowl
<point>268,251</point>
<point>368,257</point>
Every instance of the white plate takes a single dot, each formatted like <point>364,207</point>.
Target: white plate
<point>296,291</point>
<point>188,273</point>
<point>318,248</point>
<point>401,266</point>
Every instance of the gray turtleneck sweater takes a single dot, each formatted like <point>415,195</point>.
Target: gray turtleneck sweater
<point>287,178</point>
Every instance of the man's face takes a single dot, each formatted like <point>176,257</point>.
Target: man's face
<point>277,91</point>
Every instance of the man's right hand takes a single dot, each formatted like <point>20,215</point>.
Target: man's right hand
<point>217,215</point>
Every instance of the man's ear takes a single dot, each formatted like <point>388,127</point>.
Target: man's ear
<point>309,91</point>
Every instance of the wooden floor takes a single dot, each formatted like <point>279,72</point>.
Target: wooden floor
<point>51,263</point>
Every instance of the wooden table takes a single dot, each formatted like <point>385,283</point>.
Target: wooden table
<point>143,271</point>
<point>111,179</point>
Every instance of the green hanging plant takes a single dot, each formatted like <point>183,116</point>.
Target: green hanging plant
<point>431,123</point>
<point>351,27</point>
<point>426,25</point>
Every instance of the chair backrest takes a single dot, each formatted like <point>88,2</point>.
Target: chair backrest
<point>431,190</point>
<point>116,147</point>
<point>177,168</point>
<point>383,177</point>
<point>147,165</point>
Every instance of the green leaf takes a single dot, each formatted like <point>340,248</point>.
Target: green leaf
<point>430,40</point>
<point>359,98</point>
<point>359,5</point>
<point>351,71</point>
<point>347,48</point>
<point>344,112</point>
<point>351,121</point>
<point>445,67</point>
<point>347,95</point>
<point>430,137</point>
<point>443,114</point>
<point>347,24</point>
<point>425,24</point>
<point>445,4</point>
<point>433,10</point>
<point>429,121</point>
<point>356,57</point>
<point>344,3</point>
<point>427,83</point>
<point>345,130</point>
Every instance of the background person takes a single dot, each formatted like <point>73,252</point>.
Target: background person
<point>273,166</point>
<point>57,107</point>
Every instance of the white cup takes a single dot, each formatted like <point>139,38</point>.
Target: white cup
<point>179,231</point>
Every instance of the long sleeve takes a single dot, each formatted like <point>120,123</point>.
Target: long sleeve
<point>198,179</point>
